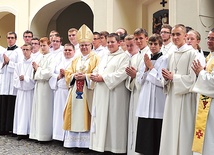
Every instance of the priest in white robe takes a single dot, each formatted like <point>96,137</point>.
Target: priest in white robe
<point>42,109</point>
<point>141,40</point>
<point>180,106</point>
<point>23,81</point>
<point>8,61</point>
<point>109,123</point>
<point>151,101</point>
<point>58,84</point>
<point>204,136</point>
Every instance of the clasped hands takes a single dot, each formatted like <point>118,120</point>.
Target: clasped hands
<point>79,76</point>
<point>96,78</point>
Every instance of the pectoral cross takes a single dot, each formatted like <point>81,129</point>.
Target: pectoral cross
<point>163,3</point>
<point>176,70</point>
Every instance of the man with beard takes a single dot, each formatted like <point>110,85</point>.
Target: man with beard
<point>168,45</point>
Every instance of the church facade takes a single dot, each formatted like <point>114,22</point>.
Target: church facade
<point>42,16</point>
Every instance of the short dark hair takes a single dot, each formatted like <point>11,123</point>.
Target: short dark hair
<point>28,44</point>
<point>167,26</point>
<point>115,35</point>
<point>104,33</point>
<point>11,32</point>
<point>69,44</point>
<point>156,37</point>
<point>141,31</point>
<point>28,31</point>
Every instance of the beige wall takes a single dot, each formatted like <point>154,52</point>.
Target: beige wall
<point>40,15</point>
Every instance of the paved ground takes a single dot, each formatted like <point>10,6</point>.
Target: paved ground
<point>11,146</point>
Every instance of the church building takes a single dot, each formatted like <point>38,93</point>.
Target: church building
<point>42,16</point>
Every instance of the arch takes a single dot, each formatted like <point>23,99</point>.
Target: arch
<point>49,15</point>
<point>7,23</point>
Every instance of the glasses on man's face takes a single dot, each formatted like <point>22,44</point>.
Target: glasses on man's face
<point>10,37</point>
<point>84,45</point>
<point>27,36</point>
<point>57,41</point>
<point>176,34</point>
<point>151,43</point>
<point>210,38</point>
<point>164,32</point>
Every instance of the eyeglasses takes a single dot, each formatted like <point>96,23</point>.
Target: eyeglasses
<point>82,45</point>
<point>176,34</point>
<point>151,43</point>
<point>27,36</point>
<point>10,37</point>
<point>57,41</point>
<point>164,32</point>
<point>210,38</point>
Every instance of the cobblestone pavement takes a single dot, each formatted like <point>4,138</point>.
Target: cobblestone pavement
<point>11,146</point>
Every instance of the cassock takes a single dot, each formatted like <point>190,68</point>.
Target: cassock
<point>24,99</point>
<point>109,131</point>
<point>60,95</point>
<point>134,87</point>
<point>42,109</point>
<point>7,90</point>
<point>180,106</point>
<point>77,114</point>
<point>204,85</point>
<point>150,107</point>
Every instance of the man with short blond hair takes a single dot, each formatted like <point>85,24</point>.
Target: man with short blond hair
<point>180,106</point>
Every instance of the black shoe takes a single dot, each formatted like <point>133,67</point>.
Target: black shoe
<point>20,137</point>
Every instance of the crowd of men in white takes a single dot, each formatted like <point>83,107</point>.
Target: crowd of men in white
<point>119,93</point>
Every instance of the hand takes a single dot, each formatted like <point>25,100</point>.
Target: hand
<point>35,66</point>
<point>80,76</point>
<point>148,62</point>
<point>21,77</point>
<point>131,71</point>
<point>62,72</point>
<point>96,78</point>
<point>6,59</point>
<point>196,67</point>
<point>167,74</point>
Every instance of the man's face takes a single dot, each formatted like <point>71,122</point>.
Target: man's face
<point>141,41</point>
<point>103,40</point>
<point>85,48</point>
<point>27,37</point>
<point>113,44</point>
<point>11,40</point>
<point>210,41</point>
<point>72,37</point>
<point>26,51</point>
<point>56,43</point>
<point>192,40</point>
<point>35,45</point>
<point>165,34</point>
<point>44,47</point>
<point>68,52</point>
<point>131,46</point>
<point>96,41</point>
<point>52,34</point>
<point>154,47</point>
<point>178,37</point>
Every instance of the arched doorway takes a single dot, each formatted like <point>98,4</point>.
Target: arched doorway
<point>74,16</point>
<point>7,23</point>
<point>60,16</point>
